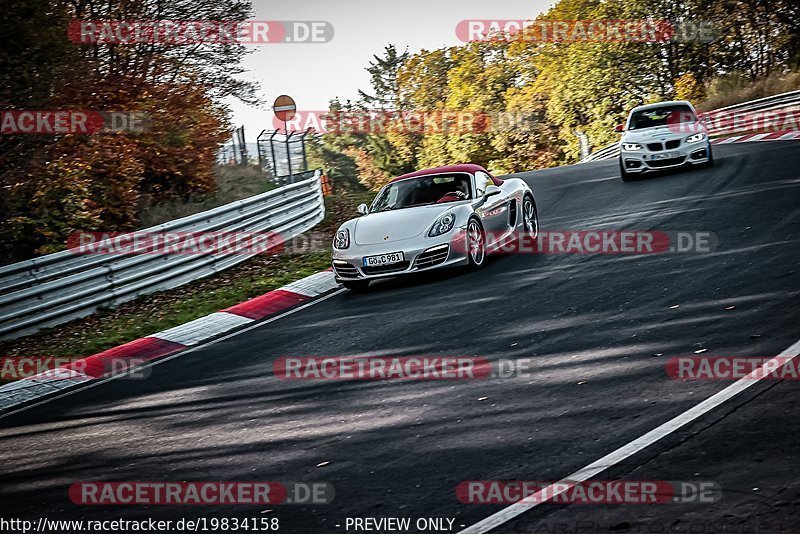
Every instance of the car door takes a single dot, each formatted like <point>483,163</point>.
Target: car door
<point>492,210</point>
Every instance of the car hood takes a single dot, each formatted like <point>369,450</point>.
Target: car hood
<point>657,133</point>
<point>396,225</point>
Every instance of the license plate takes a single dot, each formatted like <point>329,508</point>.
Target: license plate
<point>383,259</point>
<point>667,155</point>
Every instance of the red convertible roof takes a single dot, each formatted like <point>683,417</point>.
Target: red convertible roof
<point>464,167</point>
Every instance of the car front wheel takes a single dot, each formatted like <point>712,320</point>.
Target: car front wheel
<point>476,244</point>
<point>626,176</point>
<point>529,217</point>
<point>710,162</point>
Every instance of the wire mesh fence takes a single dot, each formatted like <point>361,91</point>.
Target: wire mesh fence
<point>235,152</point>
<point>283,154</point>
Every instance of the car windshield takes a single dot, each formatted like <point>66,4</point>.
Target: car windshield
<point>676,114</point>
<point>423,190</point>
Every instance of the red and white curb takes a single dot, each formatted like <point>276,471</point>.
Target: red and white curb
<point>775,136</point>
<point>142,350</point>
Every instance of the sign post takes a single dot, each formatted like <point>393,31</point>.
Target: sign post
<point>285,109</point>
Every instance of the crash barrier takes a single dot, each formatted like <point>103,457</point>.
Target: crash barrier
<point>50,290</point>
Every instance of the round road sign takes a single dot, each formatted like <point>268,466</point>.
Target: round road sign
<point>284,107</point>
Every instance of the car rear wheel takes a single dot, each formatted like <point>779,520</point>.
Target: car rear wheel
<point>476,244</point>
<point>356,285</point>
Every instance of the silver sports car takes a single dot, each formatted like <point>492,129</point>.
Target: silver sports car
<point>433,218</point>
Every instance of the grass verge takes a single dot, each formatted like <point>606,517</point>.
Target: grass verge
<point>232,183</point>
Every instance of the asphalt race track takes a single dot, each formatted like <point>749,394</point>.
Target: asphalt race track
<point>598,327</point>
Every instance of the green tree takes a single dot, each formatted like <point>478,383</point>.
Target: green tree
<point>383,76</point>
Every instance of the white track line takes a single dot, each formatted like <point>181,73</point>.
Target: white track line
<point>94,383</point>
<point>609,460</point>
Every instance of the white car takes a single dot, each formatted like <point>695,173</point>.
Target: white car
<point>430,219</point>
<point>662,136</point>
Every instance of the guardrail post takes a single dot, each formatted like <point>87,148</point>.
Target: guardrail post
<point>289,156</point>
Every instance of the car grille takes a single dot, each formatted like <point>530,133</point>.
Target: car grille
<point>433,256</point>
<point>384,269</point>
<point>344,270</point>
<point>655,147</point>
<point>675,143</point>
<point>666,162</point>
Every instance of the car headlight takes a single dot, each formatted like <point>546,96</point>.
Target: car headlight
<point>342,239</point>
<point>443,225</point>
<point>631,146</point>
<point>695,138</point>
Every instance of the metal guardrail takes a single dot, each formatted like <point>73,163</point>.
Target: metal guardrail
<point>608,152</point>
<point>50,290</point>
<point>720,121</point>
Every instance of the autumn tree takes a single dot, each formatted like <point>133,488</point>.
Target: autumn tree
<point>552,96</point>
<point>57,184</point>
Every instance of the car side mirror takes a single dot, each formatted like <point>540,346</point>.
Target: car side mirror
<point>363,209</point>
<point>491,191</point>
<point>619,128</point>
